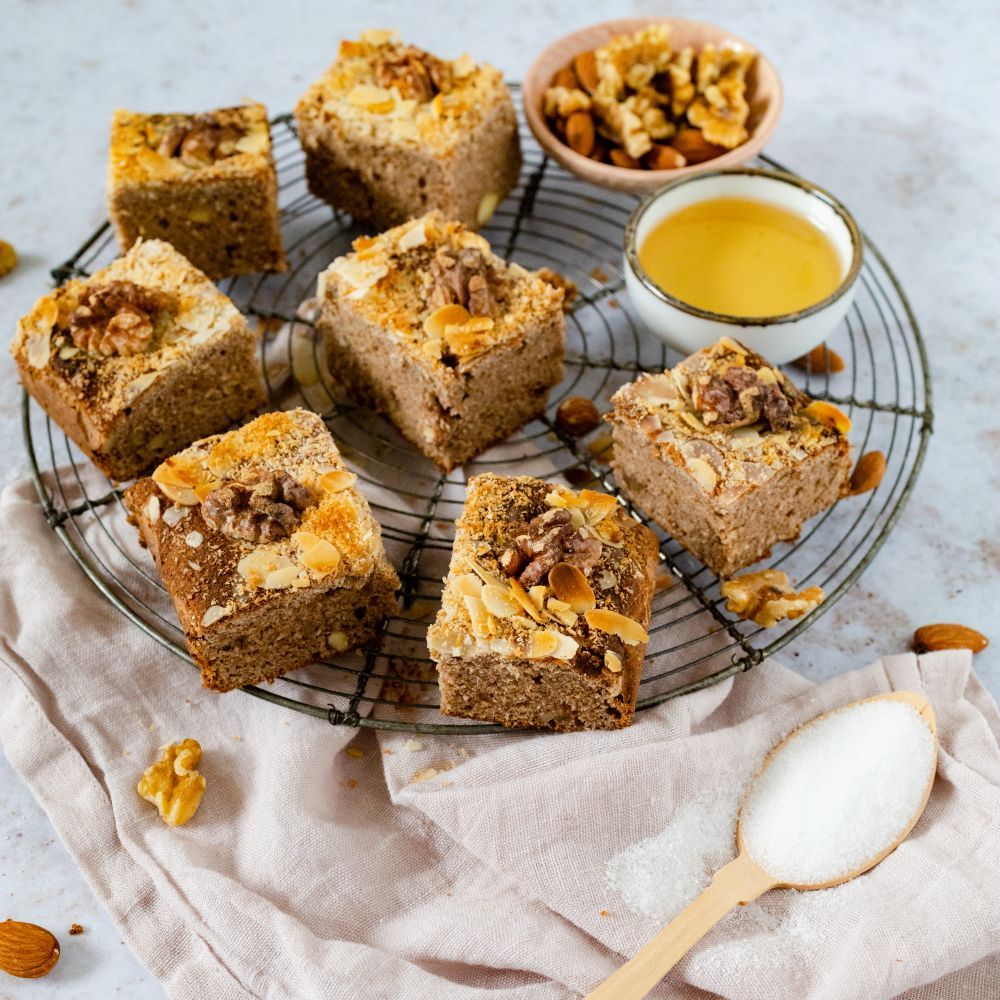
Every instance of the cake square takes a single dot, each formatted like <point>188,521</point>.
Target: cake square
<point>270,554</point>
<point>726,454</point>
<point>139,360</point>
<point>425,324</point>
<point>390,132</point>
<point>545,608</point>
<point>205,183</point>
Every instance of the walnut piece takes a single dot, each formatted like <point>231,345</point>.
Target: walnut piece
<point>468,278</point>
<point>733,387</point>
<point>117,318</point>
<point>263,506</point>
<point>766,597</point>
<point>200,141</point>
<point>414,73</point>
<point>173,784</point>
<point>550,538</point>
<point>556,280</point>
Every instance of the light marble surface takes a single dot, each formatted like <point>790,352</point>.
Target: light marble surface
<point>882,107</point>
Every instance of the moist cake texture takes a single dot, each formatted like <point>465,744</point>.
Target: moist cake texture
<point>391,131</point>
<point>270,554</point>
<point>139,360</point>
<point>205,183</point>
<point>427,325</point>
<point>545,608</point>
<point>726,454</point>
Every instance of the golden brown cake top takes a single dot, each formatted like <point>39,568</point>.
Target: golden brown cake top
<point>170,147</point>
<point>261,509</point>
<point>111,335</point>
<point>394,92</point>
<point>539,571</point>
<point>438,287</point>
<point>730,417</point>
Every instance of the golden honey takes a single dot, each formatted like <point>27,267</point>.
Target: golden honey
<point>741,257</point>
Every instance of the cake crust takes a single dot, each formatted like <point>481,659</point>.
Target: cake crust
<point>253,609</point>
<point>514,652</point>
<point>726,454</point>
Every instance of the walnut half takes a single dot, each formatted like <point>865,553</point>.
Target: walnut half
<point>173,784</point>
<point>117,318</point>
<point>261,507</point>
<point>766,597</point>
<point>550,538</point>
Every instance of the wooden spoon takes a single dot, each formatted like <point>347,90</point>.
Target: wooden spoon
<point>741,881</point>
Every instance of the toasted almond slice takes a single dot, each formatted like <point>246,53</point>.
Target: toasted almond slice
<point>478,616</point>
<point>305,540</point>
<point>280,578</point>
<point>440,319</point>
<point>377,100</point>
<point>542,644</point>
<point>259,564</point>
<point>487,206</point>
<point>153,509</point>
<point>629,631</point>
<point>482,572</point>
<point>323,557</point>
<point>523,598</point>
<point>612,661</point>
<point>566,649</point>
<point>597,506</point>
<point>828,415</point>
<point>706,476</point>
<point>570,585</point>
<point>467,583</point>
<point>498,601</point>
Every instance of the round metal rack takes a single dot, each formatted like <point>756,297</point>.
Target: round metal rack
<point>551,219</point>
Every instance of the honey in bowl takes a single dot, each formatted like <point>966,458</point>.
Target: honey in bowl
<point>742,257</point>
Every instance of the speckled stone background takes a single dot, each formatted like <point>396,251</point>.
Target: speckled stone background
<point>890,106</point>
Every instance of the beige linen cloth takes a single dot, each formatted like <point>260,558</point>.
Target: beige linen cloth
<point>311,873</point>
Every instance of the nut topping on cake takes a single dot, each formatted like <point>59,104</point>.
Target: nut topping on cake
<point>551,537</point>
<point>200,141</point>
<point>466,277</point>
<point>414,73</point>
<point>736,387</point>
<point>262,507</point>
<point>117,318</point>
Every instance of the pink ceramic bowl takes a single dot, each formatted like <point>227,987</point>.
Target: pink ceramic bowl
<point>763,95</point>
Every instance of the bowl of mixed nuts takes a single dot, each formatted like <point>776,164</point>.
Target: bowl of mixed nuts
<point>633,103</point>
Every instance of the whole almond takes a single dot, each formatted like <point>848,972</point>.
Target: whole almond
<point>694,146</point>
<point>820,360</point>
<point>664,158</point>
<point>577,416</point>
<point>585,67</point>
<point>27,950</point>
<point>621,159</point>
<point>566,78</point>
<point>945,635</point>
<point>867,473</point>
<point>580,132</point>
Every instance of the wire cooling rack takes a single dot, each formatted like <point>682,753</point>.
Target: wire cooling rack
<point>550,219</point>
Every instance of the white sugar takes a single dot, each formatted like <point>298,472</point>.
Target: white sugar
<point>839,792</point>
<point>659,876</point>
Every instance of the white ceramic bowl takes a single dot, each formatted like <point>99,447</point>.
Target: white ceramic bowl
<point>777,338</point>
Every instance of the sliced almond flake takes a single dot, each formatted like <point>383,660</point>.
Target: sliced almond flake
<point>706,476</point>
<point>463,66</point>
<point>322,558</point>
<point>153,509</point>
<point>256,141</point>
<point>628,630</point>
<point>214,614</point>
<point>477,616</point>
<point>337,641</point>
<point>193,539</point>
<point>467,583</point>
<point>415,236</point>
<point>521,596</point>
<point>280,578</point>
<point>498,600</point>
<point>612,661</point>
<point>482,572</point>
<point>68,352</point>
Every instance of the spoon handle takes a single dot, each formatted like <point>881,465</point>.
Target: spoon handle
<point>741,881</point>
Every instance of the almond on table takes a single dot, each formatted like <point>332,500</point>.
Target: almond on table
<point>27,951</point>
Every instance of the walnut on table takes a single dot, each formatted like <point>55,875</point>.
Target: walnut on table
<point>766,597</point>
<point>173,784</point>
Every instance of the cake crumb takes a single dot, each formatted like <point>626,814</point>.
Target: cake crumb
<point>603,913</point>
<point>355,752</point>
<point>424,774</point>
<point>75,929</point>
<point>412,746</point>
